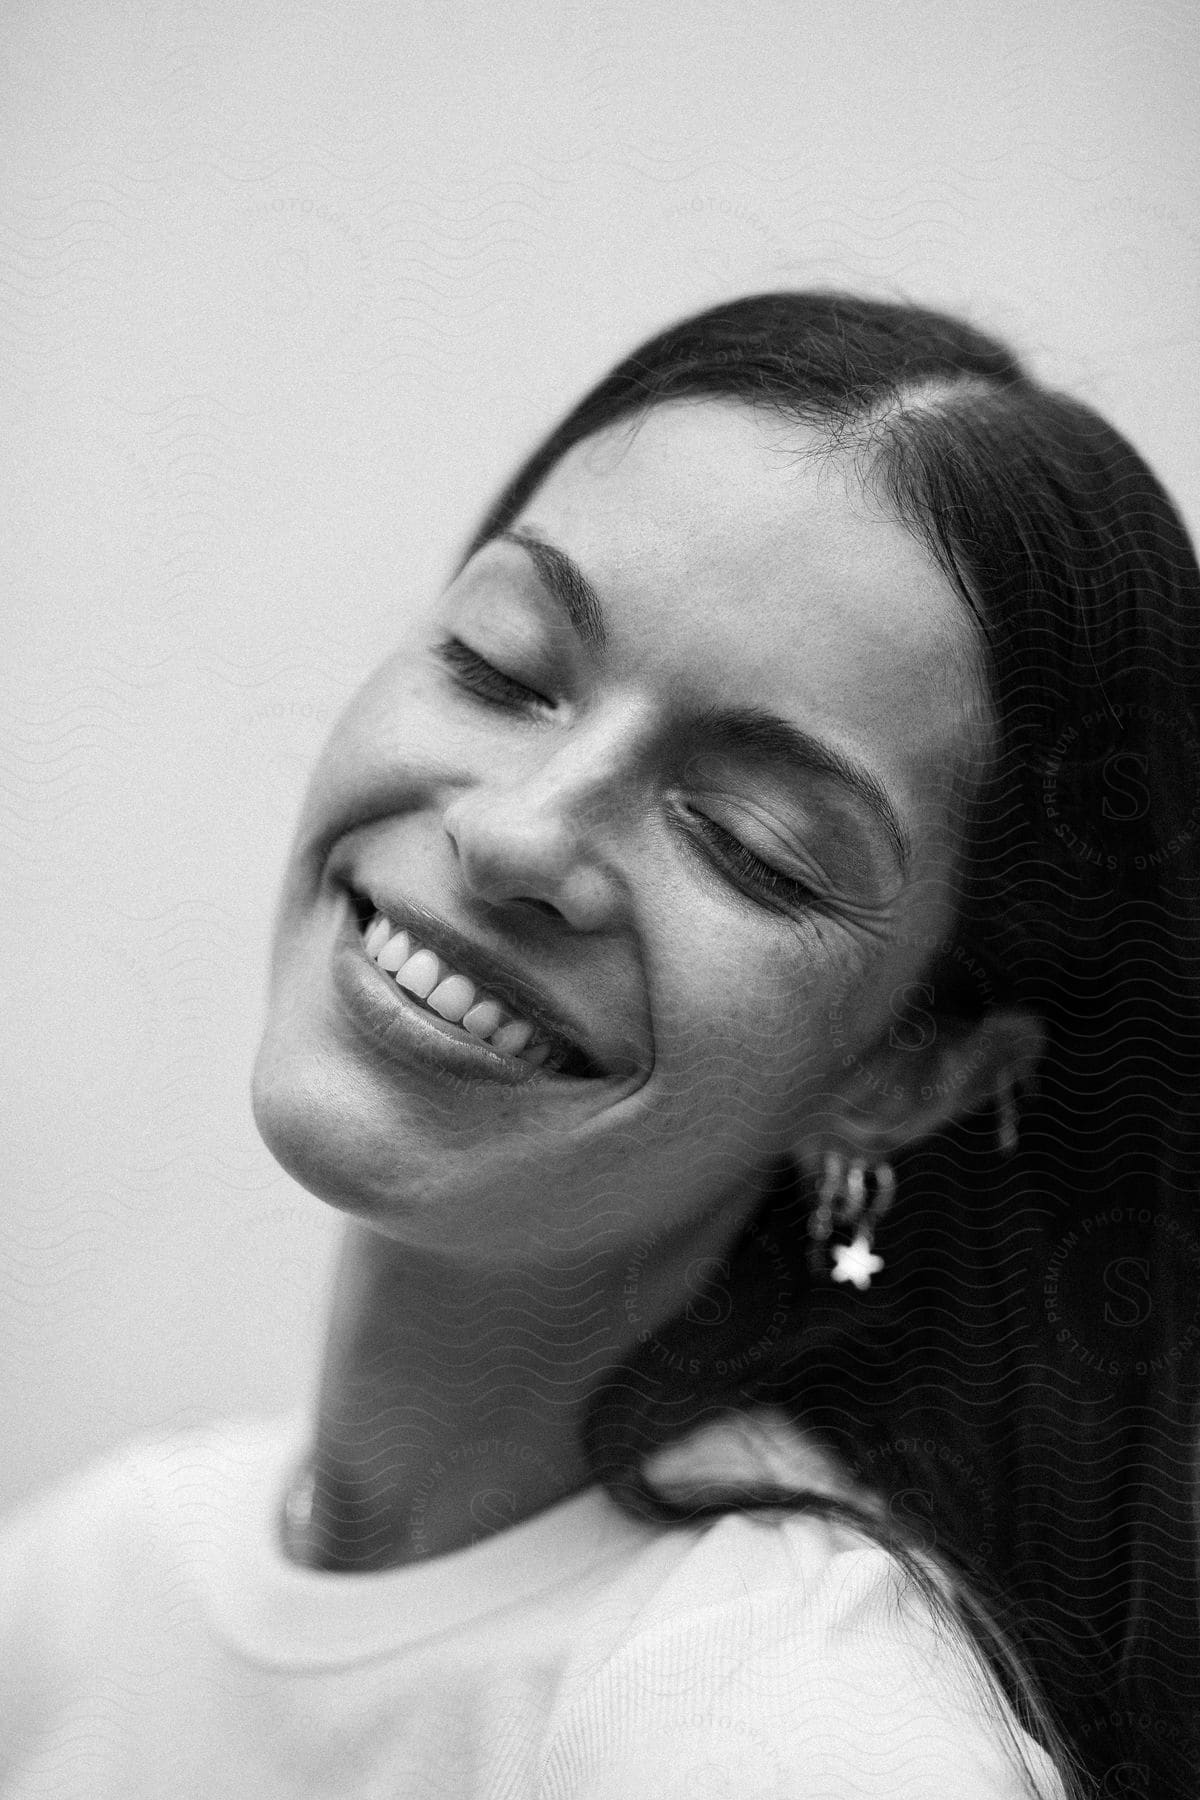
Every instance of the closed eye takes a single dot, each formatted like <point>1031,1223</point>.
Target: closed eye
<point>477,676</point>
<point>748,869</point>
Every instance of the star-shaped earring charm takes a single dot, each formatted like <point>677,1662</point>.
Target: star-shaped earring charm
<point>856,1262</point>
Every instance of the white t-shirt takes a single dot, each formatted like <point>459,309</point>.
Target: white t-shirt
<point>156,1642</point>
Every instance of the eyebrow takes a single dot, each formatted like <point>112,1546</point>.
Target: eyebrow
<point>741,728</point>
<point>566,581</point>
<point>764,734</point>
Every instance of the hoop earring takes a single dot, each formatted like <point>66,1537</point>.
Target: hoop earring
<point>842,1202</point>
<point>1006,1108</point>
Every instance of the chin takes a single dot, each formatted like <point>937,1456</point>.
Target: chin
<point>374,1168</point>
<point>293,1134</point>
<point>307,1126</point>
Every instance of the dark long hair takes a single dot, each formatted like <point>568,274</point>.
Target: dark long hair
<point>1020,1386</point>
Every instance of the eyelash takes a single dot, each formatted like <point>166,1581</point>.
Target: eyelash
<point>745,865</point>
<point>476,676</point>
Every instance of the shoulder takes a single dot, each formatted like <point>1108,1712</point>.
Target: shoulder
<point>94,1538</point>
<point>786,1654</point>
<point>91,1574</point>
<point>145,1475</point>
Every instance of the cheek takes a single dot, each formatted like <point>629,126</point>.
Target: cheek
<point>391,730</point>
<point>390,707</point>
<point>744,1022</point>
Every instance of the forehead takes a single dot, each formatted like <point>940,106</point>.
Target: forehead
<point>741,562</point>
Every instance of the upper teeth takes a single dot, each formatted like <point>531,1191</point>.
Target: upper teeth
<point>453,995</point>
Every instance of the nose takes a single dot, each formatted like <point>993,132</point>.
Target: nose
<point>541,841</point>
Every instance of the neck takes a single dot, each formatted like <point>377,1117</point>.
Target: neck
<point>451,1399</point>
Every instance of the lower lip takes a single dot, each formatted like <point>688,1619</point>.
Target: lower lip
<point>401,1029</point>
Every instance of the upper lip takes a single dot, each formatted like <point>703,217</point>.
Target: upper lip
<point>491,972</point>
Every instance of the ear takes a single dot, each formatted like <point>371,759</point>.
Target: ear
<point>910,1084</point>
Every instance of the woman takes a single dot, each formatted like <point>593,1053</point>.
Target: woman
<point>736,973</point>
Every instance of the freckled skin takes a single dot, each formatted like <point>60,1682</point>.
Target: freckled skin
<point>731,570</point>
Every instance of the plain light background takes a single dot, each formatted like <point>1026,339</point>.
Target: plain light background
<point>285,290</point>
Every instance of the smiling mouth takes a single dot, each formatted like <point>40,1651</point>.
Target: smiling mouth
<point>463,1004</point>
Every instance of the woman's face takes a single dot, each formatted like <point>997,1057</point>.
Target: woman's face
<point>596,778</point>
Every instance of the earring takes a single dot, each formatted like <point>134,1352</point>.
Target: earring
<point>1006,1123</point>
<point>842,1201</point>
